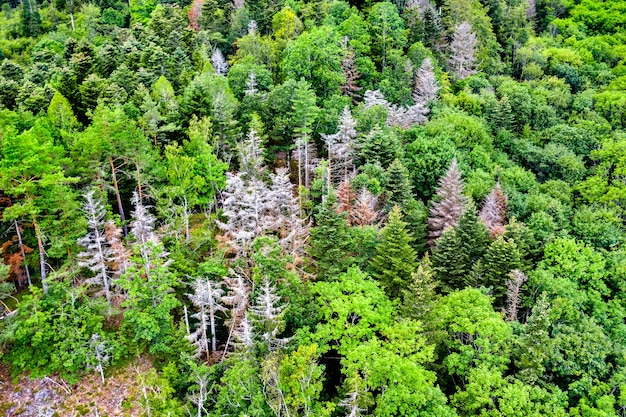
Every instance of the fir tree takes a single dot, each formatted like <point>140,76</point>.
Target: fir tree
<point>219,62</point>
<point>364,211</point>
<point>502,118</point>
<point>351,72</point>
<point>464,246</point>
<point>394,261</point>
<point>426,85</point>
<point>207,297</point>
<point>514,293</point>
<point>493,212</point>
<point>398,186</point>
<point>463,51</point>
<point>98,253</point>
<point>331,242</point>
<point>268,315</point>
<point>449,203</point>
<point>345,198</point>
<point>420,297</point>
<point>500,259</point>
<point>340,147</point>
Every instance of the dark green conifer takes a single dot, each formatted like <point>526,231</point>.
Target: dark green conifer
<point>331,241</point>
<point>398,187</point>
<point>500,259</point>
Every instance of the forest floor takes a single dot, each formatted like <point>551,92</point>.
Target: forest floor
<point>120,396</point>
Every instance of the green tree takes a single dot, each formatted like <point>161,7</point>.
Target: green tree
<point>394,260</point>
<point>387,31</point>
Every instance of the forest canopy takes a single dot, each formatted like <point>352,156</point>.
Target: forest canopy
<point>317,207</point>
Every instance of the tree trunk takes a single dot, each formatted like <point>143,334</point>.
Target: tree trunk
<point>42,258</point>
<point>117,196</point>
<point>22,253</point>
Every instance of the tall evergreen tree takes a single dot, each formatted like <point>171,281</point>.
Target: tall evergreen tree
<point>501,258</point>
<point>398,187</point>
<point>394,261</point>
<point>331,242</point>
<point>420,297</point>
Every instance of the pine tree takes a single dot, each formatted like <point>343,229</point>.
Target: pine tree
<point>394,261</point>
<point>251,85</point>
<point>207,297</point>
<point>463,51</point>
<point>98,253</point>
<point>494,210</point>
<point>398,187</point>
<point>420,297</point>
<point>449,203</point>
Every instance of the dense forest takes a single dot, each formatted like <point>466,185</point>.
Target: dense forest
<point>316,207</point>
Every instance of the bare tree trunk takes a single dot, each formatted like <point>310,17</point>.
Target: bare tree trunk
<point>22,253</point>
<point>42,257</point>
<point>212,323</point>
<point>117,196</point>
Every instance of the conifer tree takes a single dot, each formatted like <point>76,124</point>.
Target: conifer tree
<point>364,211</point>
<point>493,213</point>
<point>98,253</point>
<point>305,112</point>
<point>426,85</point>
<point>394,261</point>
<point>450,264</point>
<point>268,315</point>
<point>449,203</point>
<point>502,118</point>
<point>351,72</point>
<point>398,187</point>
<point>207,297</point>
<point>331,241</point>
<point>219,62</point>
<point>238,298</point>
<point>500,259</point>
<point>345,198</point>
<point>120,256</point>
<point>463,51</point>
<point>340,147</point>
<point>463,247</point>
<point>420,297</point>
<point>514,293</point>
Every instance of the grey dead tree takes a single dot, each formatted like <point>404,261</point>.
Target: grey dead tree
<point>426,85</point>
<point>514,293</point>
<point>448,205</point>
<point>268,315</point>
<point>97,254</point>
<point>340,147</point>
<point>463,51</point>
<point>100,354</point>
<point>207,297</point>
<point>493,211</point>
<point>238,299</point>
<point>219,62</point>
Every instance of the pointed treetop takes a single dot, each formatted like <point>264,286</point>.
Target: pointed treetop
<point>449,203</point>
<point>463,51</point>
<point>493,212</point>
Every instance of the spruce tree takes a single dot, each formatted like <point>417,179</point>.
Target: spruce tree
<point>420,297</point>
<point>459,250</point>
<point>398,187</point>
<point>501,258</point>
<point>331,241</point>
<point>394,261</point>
<point>449,203</point>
